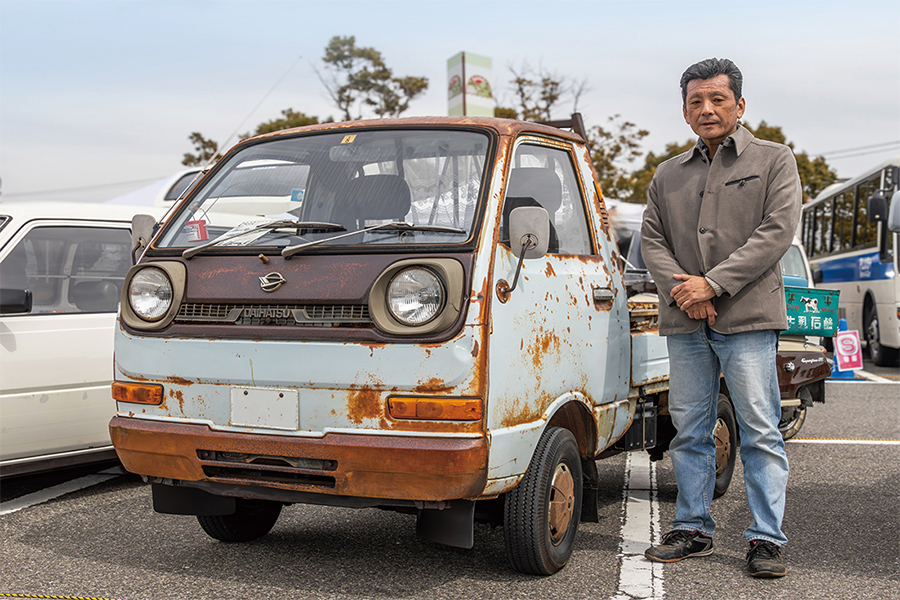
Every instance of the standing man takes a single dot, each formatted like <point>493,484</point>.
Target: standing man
<point>719,218</point>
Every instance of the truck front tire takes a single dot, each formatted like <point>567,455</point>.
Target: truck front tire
<point>252,519</point>
<point>541,514</point>
<point>725,434</point>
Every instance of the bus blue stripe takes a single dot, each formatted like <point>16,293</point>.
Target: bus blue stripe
<point>862,267</point>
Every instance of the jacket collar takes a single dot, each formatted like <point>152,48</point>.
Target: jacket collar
<point>739,140</point>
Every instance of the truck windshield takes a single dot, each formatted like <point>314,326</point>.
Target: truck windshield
<point>311,187</point>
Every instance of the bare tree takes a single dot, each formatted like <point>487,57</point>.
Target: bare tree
<point>539,92</point>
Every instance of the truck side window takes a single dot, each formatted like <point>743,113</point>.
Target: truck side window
<point>543,176</point>
<point>69,269</point>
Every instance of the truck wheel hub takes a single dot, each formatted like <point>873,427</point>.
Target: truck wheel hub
<point>562,502</point>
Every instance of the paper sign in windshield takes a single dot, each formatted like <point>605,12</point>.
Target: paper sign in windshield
<point>196,231</point>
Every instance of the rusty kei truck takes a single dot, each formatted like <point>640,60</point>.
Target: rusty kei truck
<point>424,315</point>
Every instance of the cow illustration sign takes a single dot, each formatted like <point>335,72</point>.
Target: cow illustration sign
<point>811,311</point>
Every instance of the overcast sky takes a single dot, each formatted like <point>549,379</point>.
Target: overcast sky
<point>100,96</point>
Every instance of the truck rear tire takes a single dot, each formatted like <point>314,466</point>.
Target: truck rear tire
<point>541,514</point>
<point>725,434</point>
<point>252,519</point>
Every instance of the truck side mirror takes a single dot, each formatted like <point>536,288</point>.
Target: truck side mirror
<point>893,221</point>
<point>529,237</point>
<point>876,207</point>
<point>533,222</point>
<point>15,302</point>
<point>142,229</point>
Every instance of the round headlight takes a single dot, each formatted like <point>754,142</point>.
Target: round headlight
<point>150,293</point>
<point>415,296</point>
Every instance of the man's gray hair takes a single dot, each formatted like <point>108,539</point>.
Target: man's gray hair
<point>713,67</point>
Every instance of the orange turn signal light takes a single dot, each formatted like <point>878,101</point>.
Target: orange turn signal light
<point>137,393</point>
<point>436,409</point>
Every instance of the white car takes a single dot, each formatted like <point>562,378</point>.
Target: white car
<point>176,187</point>
<point>61,271</point>
<point>795,264</point>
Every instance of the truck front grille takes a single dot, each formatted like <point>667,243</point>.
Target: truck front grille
<point>287,315</point>
<point>262,469</point>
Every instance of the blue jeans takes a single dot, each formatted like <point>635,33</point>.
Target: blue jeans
<point>747,360</point>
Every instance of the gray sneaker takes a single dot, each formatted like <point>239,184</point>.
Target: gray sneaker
<point>679,544</point>
<point>764,560</point>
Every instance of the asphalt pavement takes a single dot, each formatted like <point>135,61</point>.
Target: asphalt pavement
<point>842,519</point>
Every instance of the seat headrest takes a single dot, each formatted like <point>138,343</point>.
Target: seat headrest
<point>377,197</point>
<point>542,184</point>
<point>96,296</point>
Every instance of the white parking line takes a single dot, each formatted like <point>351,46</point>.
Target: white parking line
<point>870,377</point>
<point>639,578</point>
<point>56,491</point>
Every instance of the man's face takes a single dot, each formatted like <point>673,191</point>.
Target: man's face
<point>711,110</point>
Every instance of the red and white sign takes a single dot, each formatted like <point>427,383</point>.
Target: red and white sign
<point>196,231</point>
<point>847,351</point>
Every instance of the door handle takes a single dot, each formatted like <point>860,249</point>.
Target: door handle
<point>603,294</point>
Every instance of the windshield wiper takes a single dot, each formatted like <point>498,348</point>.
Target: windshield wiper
<point>401,226</point>
<point>271,225</point>
<point>396,226</point>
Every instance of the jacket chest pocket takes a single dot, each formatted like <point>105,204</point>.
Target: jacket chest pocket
<point>743,199</point>
<point>743,181</point>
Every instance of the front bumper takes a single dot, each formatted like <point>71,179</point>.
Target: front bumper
<point>372,466</point>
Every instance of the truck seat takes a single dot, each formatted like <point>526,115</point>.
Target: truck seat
<point>538,186</point>
<point>374,198</point>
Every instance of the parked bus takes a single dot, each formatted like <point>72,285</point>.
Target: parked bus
<point>845,234</point>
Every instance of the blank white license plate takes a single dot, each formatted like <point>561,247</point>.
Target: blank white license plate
<point>265,408</point>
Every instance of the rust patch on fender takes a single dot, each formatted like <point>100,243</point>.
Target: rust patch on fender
<point>606,422</point>
<point>482,298</point>
<point>178,395</point>
<point>477,382</point>
<point>549,340</point>
<point>432,386</point>
<point>549,270</point>
<point>517,414</point>
<point>364,404</point>
<point>606,269</point>
<point>545,343</point>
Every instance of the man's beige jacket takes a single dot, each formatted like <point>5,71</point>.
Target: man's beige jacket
<point>730,221</point>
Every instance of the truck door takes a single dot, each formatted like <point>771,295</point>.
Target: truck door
<point>563,330</point>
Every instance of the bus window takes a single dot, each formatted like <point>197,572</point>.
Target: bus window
<point>822,230</point>
<point>866,233</point>
<point>843,222</point>
<point>825,223</point>
<point>808,227</point>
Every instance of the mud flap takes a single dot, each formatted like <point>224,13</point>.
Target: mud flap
<point>451,526</point>
<point>171,500</point>
<point>590,491</point>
